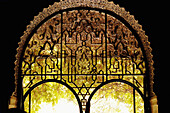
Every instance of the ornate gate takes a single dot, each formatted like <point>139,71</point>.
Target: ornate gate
<point>84,45</point>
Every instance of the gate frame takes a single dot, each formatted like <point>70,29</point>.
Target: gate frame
<point>99,4</point>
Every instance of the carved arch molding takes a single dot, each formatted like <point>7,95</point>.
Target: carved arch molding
<point>94,38</point>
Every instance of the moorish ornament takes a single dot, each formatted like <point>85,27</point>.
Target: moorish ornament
<point>84,45</point>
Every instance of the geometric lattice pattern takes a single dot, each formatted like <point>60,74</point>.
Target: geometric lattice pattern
<point>83,48</point>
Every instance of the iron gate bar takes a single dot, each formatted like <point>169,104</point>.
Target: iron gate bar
<point>106,44</point>
<point>30,102</point>
<point>134,101</point>
<point>61,45</point>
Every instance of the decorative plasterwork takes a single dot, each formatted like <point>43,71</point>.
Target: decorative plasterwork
<point>99,4</point>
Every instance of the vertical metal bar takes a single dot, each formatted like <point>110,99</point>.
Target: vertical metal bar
<point>134,102</point>
<point>61,44</point>
<point>133,68</point>
<point>19,92</point>
<point>144,93</point>
<point>30,102</point>
<point>21,100</point>
<point>106,43</point>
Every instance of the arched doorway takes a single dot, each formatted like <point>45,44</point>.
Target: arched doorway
<point>84,45</point>
<point>119,97</point>
<point>51,96</point>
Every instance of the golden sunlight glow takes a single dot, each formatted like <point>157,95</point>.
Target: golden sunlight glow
<point>110,105</point>
<point>56,98</point>
<point>63,106</point>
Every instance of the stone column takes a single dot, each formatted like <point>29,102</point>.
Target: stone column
<point>154,104</point>
<point>13,102</point>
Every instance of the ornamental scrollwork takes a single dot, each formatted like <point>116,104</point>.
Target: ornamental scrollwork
<point>85,47</point>
<point>86,42</point>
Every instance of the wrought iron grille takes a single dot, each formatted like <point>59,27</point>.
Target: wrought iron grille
<point>83,49</point>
